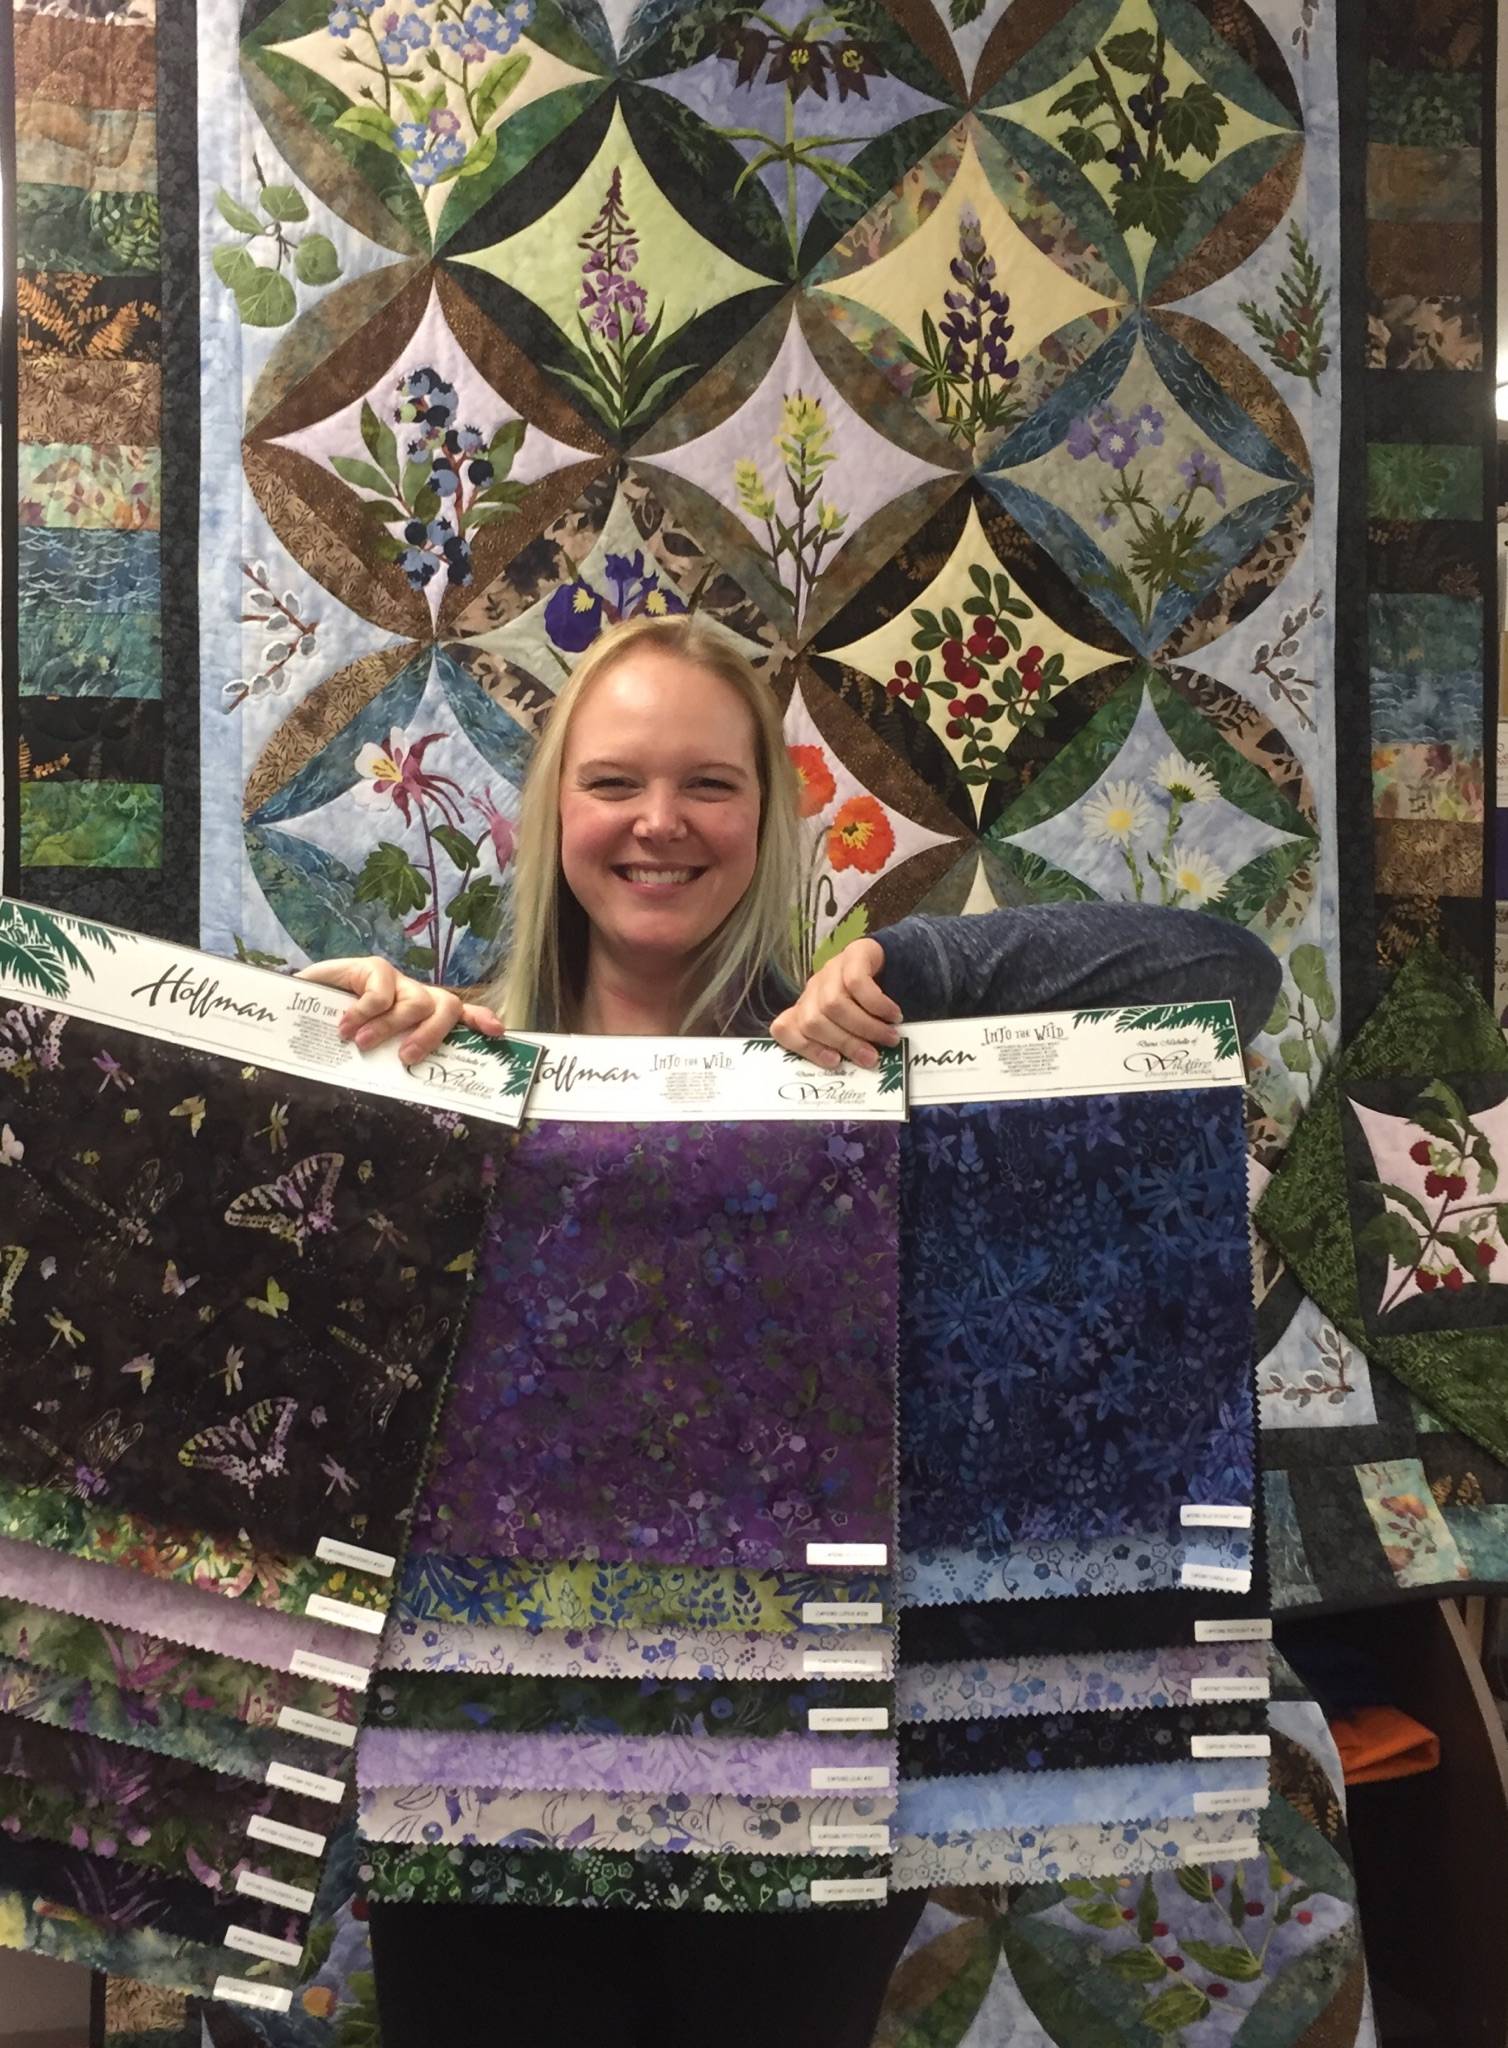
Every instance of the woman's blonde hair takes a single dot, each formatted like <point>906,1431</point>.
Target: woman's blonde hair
<point>541,984</point>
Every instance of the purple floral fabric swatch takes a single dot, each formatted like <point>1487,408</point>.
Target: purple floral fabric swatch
<point>131,1895</point>
<point>1077,1322</point>
<point>682,1349</point>
<point>779,1766</point>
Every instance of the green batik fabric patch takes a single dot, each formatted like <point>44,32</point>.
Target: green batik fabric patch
<point>630,1706</point>
<point>91,824</point>
<point>1388,1204</point>
<point>559,1877</point>
<point>507,1592</point>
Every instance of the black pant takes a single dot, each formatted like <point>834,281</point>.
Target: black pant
<point>580,1977</point>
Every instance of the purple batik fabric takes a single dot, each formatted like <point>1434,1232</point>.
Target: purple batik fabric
<point>179,1614</point>
<point>775,1766</point>
<point>1077,1338</point>
<point>682,1349</point>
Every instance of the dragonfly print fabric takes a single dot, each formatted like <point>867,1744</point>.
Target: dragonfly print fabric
<point>1086,1367</point>
<point>229,1295</point>
<point>681,1351</point>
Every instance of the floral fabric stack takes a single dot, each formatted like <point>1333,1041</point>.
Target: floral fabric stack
<point>228,1296</point>
<point>1077,1440</point>
<point>618,1671</point>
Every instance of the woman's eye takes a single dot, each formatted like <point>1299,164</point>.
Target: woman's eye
<point>713,782</point>
<point>609,783</point>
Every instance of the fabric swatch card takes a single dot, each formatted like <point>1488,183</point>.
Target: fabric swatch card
<point>232,1286</point>
<point>667,1460</point>
<point>238,1260</point>
<point>1077,1322</point>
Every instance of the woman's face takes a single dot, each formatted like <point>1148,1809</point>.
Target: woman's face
<point>659,805</point>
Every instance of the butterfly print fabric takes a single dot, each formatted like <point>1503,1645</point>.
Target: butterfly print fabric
<point>1077,1321</point>
<point>230,1294</point>
<point>682,1349</point>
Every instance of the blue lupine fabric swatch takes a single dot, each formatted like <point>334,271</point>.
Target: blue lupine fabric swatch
<point>1141,1562</point>
<point>1077,1324</point>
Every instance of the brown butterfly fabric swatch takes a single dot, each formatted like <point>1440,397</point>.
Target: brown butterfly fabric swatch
<point>227,1296</point>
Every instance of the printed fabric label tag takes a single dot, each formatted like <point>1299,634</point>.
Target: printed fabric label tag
<point>1207,1746</point>
<point>1214,1578</point>
<point>289,1778</point>
<point>330,1550</point>
<point>1200,1515</point>
<point>849,1556</point>
<point>847,1720</point>
<point>242,1991</point>
<point>302,1841</point>
<point>343,1615</point>
<point>1202,1689</point>
<point>850,1778</point>
<point>296,1897</point>
<point>849,1891</point>
<point>856,1835</point>
<point>1234,1631</point>
<point>294,1721</point>
<point>830,1664</point>
<point>265,1947</point>
<point>842,1614</point>
<point>1245,1799</point>
<point>328,1671</point>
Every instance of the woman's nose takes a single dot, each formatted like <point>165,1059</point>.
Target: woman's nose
<point>660,815</point>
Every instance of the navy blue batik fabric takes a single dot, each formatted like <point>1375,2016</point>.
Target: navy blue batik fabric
<point>1076,1322</point>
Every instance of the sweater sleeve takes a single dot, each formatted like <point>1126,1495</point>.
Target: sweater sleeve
<point>1060,956</point>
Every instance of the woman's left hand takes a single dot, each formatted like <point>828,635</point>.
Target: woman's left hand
<point>842,1013</point>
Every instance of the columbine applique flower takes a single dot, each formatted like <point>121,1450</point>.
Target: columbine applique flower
<point>397,773</point>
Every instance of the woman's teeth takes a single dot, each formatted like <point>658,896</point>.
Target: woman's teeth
<point>661,878</point>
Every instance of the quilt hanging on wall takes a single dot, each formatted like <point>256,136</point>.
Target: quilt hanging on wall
<point>978,367</point>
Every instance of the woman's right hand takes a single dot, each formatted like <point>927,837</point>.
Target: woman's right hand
<point>389,1004</point>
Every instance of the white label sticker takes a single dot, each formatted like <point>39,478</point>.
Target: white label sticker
<point>1242,1851</point>
<point>266,1947</point>
<point>849,1556</point>
<point>699,1080</point>
<point>830,1664</point>
<point>867,1835</point>
<point>850,1778</point>
<point>329,1671</point>
<point>1200,1515</point>
<point>1245,1799</point>
<point>1233,1631</point>
<point>847,1720</point>
<point>1214,1578</point>
<point>1230,1689</point>
<point>842,1614</point>
<point>848,1891</point>
<point>302,1841</point>
<point>296,1897</point>
<point>294,1721</point>
<point>1205,1746</point>
<point>288,1778</point>
<point>330,1550</point>
<point>241,1991</point>
<point>344,1615</point>
<point>1068,1052</point>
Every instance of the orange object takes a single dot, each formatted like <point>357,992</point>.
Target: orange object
<point>1377,1743</point>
